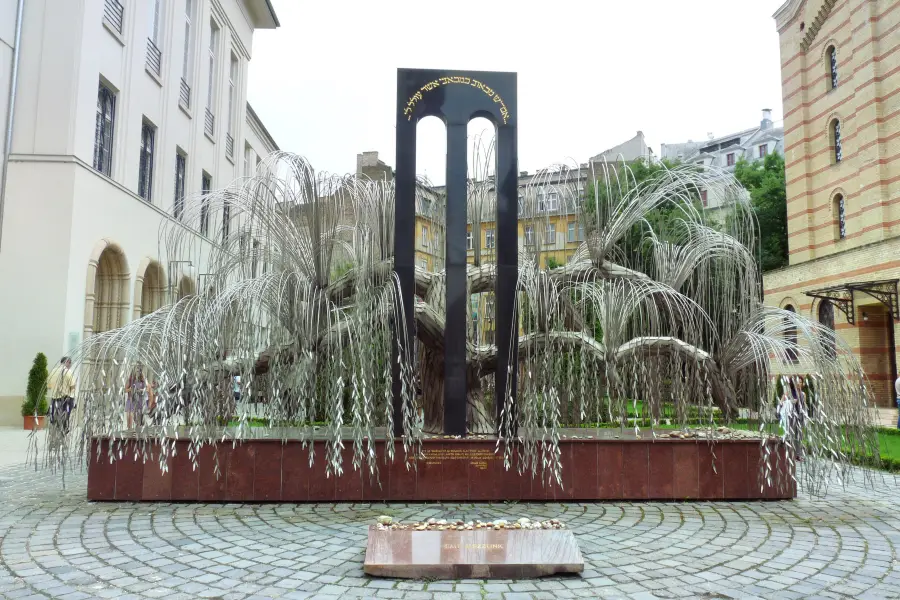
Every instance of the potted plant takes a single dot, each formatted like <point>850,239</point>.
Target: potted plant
<point>36,394</point>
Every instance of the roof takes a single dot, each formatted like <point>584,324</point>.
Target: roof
<point>263,14</point>
<point>265,132</point>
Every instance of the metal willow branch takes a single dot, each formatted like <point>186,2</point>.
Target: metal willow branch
<point>657,315</point>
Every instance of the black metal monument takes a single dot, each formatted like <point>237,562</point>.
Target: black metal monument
<point>456,97</point>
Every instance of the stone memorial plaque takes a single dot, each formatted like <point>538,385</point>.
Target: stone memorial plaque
<point>472,554</point>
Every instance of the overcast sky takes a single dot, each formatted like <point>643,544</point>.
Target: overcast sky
<point>591,74</point>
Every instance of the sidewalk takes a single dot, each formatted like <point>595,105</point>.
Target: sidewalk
<point>14,445</point>
<point>886,417</point>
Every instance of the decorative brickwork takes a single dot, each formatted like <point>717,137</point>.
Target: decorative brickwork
<point>866,101</point>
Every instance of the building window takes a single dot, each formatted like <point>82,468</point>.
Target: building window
<point>489,308</point>
<point>839,217</point>
<point>103,136</point>
<point>521,204</point>
<point>575,232</point>
<point>422,264</point>
<point>550,234</point>
<point>226,220</point>
<point>425,236</point>
<point>529,235</point>
<point>184,98</point>
<point>232,82</point>
<point>253,268</point>
<point>790,336</point>
<point>832,67</point>
<point>154,56</point>
<point>248,151</point>
<point>763,150</point>
<point>469,238</point>
<point>205,189</point>
<point>156,19</point>
<point>145,170</point>
<point>548,201</point>
<point>836,140</point>
<point>826,318</point>
<point>490,239</point>
<point>180,169</point>
<point>210,126</point>
<point>729,159</point>
<point>704,198</point>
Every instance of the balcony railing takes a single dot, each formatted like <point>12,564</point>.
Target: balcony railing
<point>184,97</point>
<point>114,14</point>
<point>154,58</point>
<point>229,146</point>
<point>210,125</point>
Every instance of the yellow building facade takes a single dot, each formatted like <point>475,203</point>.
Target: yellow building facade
<point>840,68</point>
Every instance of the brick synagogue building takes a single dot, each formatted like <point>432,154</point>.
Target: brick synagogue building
<point>840,71</point>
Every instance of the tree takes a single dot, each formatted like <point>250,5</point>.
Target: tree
<point>656,307</point>
<point>36,392</point>
<point>765,181</point>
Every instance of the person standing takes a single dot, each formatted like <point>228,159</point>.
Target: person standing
<point>897,399</point>
<point>61,386</point>
<point>136,396</point>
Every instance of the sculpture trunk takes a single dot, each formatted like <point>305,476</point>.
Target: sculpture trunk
<point>479,411</point>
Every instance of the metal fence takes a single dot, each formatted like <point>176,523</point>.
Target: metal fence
<point>154,58</point>
<point>114,14</point>
<point>184,98</point>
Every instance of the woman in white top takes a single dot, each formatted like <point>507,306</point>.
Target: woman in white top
<point>897,396</point>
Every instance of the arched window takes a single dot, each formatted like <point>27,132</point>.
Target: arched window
<point>826,318</point>
<point>835,135</point>
<point>790,336</point>
<point>840,218</point>
<point>831,57</point>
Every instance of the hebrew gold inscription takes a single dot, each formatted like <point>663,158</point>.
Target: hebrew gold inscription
<point>488,91</point>
<point>477,457</point>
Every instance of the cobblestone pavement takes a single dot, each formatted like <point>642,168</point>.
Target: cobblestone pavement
<point>55,544</point>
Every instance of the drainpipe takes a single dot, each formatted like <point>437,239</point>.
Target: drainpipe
<point>11,108</point>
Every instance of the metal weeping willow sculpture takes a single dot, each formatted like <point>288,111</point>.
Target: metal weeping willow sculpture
<point>657,317</point>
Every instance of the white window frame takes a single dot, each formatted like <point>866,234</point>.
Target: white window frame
<point>214,32</point>
<point>187,67</point>
<point>156,15</point>
<point>529,235</point>
<point>572,232</point>
<point>205,189</point>
<point>548,201</point>
<point>247,150</point>
<point>490,239</point>
<point>105,128</point>
<point>469,239</point>
<point>178,206</point>
<point>550,234</point>
<point>146,161</point>
<point>425,240</point>
<point>233,71</point>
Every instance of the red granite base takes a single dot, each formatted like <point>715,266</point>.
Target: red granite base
<point>453,471</point>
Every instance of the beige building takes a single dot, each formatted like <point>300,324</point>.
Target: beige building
<point>123,113</point>
<point>840,67</point>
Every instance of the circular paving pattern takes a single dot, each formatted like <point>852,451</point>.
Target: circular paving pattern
<point>53,543</point>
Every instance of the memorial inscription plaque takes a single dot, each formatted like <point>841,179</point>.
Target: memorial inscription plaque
<point>472,554</point>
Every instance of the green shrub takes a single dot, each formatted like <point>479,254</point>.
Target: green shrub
<point>36,392</point>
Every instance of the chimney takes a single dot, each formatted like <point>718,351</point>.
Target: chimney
<point>523,173</point>
<point>766,122</point>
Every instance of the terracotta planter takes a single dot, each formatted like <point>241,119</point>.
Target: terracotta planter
<point>32,422</point>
